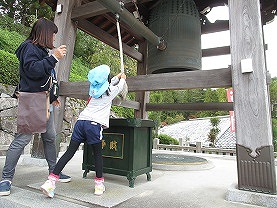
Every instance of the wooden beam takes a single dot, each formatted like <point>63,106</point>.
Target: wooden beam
<point>73,89</point>
<point>94,8</point>
<point>224,50</point>
<point>88,10</point>
<point>221,106</point>
<point>125,27</point>
<point>79,90</point>
<point>126,103</point>
<point>116,102</point>
<point>100,34</point>
<point>215,78</point>
<point>218,26</point>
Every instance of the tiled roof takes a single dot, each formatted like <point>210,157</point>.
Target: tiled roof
<point>197,130</point>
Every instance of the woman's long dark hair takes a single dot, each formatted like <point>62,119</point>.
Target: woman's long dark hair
<point>42,33</point>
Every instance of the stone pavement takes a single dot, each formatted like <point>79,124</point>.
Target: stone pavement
<point>184,188</point>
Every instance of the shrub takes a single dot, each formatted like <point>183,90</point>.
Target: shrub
<point>9,68</point>
<point>174,119</point>
<point>10,40</point>
<point>78,71</point>
<point>165,139</point>
<point>214,131</point>
<point>9,24</point>
<point>274,129</point>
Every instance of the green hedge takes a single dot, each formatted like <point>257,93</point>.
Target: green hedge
<point>274,129</point>
<point>165,139</point>
<point>9,68</point>
<point>78,71</point>
<point>9,41</point>
<point>9,24</point>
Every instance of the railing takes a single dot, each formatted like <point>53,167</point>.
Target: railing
<point>196,149</point>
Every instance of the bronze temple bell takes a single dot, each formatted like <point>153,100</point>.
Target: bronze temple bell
<point>178,23</point>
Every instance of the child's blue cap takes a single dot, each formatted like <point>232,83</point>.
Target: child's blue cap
<point>98,78</point>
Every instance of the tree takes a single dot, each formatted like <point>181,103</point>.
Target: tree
<point>214,131</point>
<point>273,97</point>
<point>8,7</point>
<point>25,11</point>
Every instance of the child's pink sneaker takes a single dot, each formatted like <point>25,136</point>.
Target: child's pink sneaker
<point>99,188</point>
<point>48,188</point>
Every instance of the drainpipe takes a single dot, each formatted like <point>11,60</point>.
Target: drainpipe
<point>118,8</point>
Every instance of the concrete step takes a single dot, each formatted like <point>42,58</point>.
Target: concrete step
<point>22,198</point>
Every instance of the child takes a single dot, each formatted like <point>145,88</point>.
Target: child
<point>90,124</point>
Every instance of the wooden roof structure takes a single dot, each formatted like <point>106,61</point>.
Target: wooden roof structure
<point>251,103</point>
<point>97,21</point>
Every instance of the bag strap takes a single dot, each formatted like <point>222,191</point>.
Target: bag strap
<point>51,79</point>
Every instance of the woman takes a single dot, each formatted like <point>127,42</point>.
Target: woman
<point>35,69</point>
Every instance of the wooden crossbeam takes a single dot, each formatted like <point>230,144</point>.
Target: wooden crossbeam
<point>90,9</point>
<point>116,102</point>
<point>94,8</point>
<point>220,106</point>
<point>218,26</point>
<point>215,78</point>
<point>100,34</point>
<point>224,50</point>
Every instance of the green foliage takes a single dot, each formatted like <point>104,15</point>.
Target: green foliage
<point>9,41</point>
<point>78,71</point>
<point>109,56</point>
<point>123,112</point>
<point>84,46</point>
<point>156,117</point>
<point>215,122</point>
<point>222,95</point>
<point>175,119</point>
<point>8,23</point>
<point>9,68</point>
<point>273,97</point>
<point>274,130</point>
<point>165,139</point>
<point>273,90</point>
<point>214,131</point>
<point>25,12</point>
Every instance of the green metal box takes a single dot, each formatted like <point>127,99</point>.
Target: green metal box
<point>127,149</point>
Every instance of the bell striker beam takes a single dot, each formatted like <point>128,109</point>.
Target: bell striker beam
<point>118,7</point>
<point>255,159</point>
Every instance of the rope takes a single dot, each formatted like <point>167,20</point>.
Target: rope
<point>124,92</point>
<point>120,44</point>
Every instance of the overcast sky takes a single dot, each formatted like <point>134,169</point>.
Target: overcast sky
<point>223,39</point>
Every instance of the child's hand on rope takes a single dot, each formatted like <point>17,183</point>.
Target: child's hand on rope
<point>123,76</point>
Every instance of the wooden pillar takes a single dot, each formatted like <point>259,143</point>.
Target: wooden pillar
<point>65,36</point>
<point>143,96</point>
<point>37,150</point>
<point>255,161</point>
